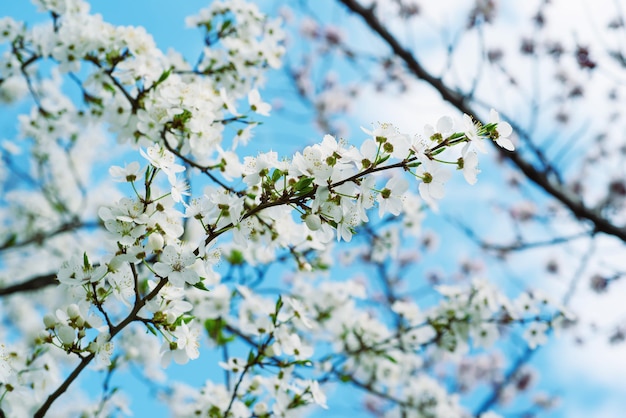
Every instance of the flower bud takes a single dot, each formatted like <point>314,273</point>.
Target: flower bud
<point>155,242</point>
<point>272,350</point>
<point>80,322</point>
<point>50,321</point>
<point>66,334</point>
<point>313,222</point>
<point>260,408</point>
<point>73,311</point>
<point>255,384</point>
<point>42,337</point>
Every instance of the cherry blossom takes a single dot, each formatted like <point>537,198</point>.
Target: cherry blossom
<point>127,173</point>
<point>258,106</point>
<point>390,198</point>
<point>103,348</point>
<point>176,252</point>
<point>185,347</point>
<point>535,334</point>
<point>5,366</point>
<point>503,131</point>
<point>162,159</point>
<point>175,266</point>
<point>469,165</point>
<point>433,178</point>
<point>472,134</point>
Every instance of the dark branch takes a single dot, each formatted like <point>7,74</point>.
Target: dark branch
<point>30,285</point>
<point>460,102</point>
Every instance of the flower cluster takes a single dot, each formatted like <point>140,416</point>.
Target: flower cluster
<point>149,285</point>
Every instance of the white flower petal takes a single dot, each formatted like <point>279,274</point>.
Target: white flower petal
<point>445,124</point>
<point>505,143</point>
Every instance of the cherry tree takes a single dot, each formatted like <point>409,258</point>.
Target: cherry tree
<point>137,232</point>
<point>555,72</point>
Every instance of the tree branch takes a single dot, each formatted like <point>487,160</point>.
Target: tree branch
<point>132,316</point>
<point>30,285</point>
<point>460,102</point>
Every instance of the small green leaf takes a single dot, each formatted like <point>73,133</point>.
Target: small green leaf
<point>382,159</point>
<point>11,241</point>
<point>235,258</point>
<point>303,183</point>
<point>305,191</point>
<point>279,303</point>
<point>250,401</point>
<point>108,87</point>
<point>164,75</point>
<point>200,285</point>
<point>88,98</point>
<point>214,328</point>
<point>276,174</point>
<point>227,24</point>
<point>151,329</point>
<point>391,359</point>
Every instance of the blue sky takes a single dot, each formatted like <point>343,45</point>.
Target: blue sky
<point>582,390</point>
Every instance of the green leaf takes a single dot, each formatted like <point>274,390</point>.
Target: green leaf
<point>11,241</point>
<point>227,24</point>
<point>58,206</point>
<point>88,98</point>
<point>213,326</point>
<point>279,303</point>
<point>200,285</point>
<point>235,258</point>
<point>184,318</point>
<point>276,174</point>
<point>108,87</point>
<point>151,329</point>
<point>303,183</point>
<point>251,357</point>
<point>391,359</point>
<point>215,330</point>
<point>383,159</point>
<point>305,191</point>
<point>164,75</point>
